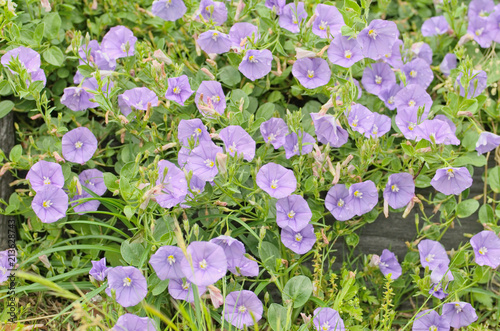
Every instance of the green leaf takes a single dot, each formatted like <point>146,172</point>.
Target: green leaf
<point>422,181</point>
<point>467,208</point>
<point>229,75</point>
<point>486,214</point>
<point>15,153</point>
<point>494,179</point>
<point>132,252</point>
<point>5,107</point>
<point>38,34</point>
<point>54,56</point>
<point>298,290</point>
<point>472,159</point>
<point>52,25</point>
<point>277,317</point>
<point>110,181</point>
<point>265,111</point>
<point>268,255</point>
<point>352,239</point>
<point>160,287</point>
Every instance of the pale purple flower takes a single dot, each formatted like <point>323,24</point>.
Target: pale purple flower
<point>214,11</point>
<point>99,270</point>
<point>477,83</point>
<point>360,118</point>
<point>399,190</point>
<point>274,131</point>
<point>214,42</point>
<point>29,58</point>
<point>242,309</point>
<point>78,99</point>
<point>97,56</point>
<point>82,207</point>
<point>50,204</point>
<point>487,142</point>
<point>338,201</point>
<point>209,263</point>
<point>93,179</point>
<point>418,71</point>
<point>328,130</point>
<point>459,314</point>
<point>480,8</point>
<point>442,117</point>
<point>388,95</point>
<point>166,262</point>
<point>169,10</point>
<point>407,120</point>
<point>378,77</point>
<point>291,17</point>
<point>441,273</point>
<point>202,160</point>
<point>241,32</point>
<point>364,197</point>
<point>139,98</point>
<point>436,131</point>
<point>449,63</point>
<point>478,29</point>
<point>173,184</point>
<point>129,285</point>
<point>377,38</point>
<point>430,320</point>
<point>293,212</point>
<point>178,89</point>
<point>486,245</point>
<point>131,322</point>
<point>299,242</point>
<point>389,264</point>
<point>195,186</point>
<point>238,141</point>
<point>327,319</point>
<point>38,75</point>
<point>276,180</point>
<point>278,5</point>
<point>435,26</point>
<point>493,26</point>
<point>312,72</point>
<point>91,84</point>
<point>422,51</point>
<point>183,156</point>
<point>44,173</point>
<point>292,144</point>
<point>381,125</point>
<point>119,42</point>
<point>256,64</point>
<point>411,97</point>
<point>327,18</point>
<point>452,180</point>
<point>192,129</point>
<point>182,289</point>
<point>237,263</point>
<point>79,145</point>
<point>394,57</point>
<point>213,98</point>
<point>438,291</point>
<point>6,265</point>
<point>432,254</point>
<point>344,51</point>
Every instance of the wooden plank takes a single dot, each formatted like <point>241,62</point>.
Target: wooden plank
<point>7,141</point>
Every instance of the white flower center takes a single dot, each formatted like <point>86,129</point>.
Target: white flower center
<point>372,33</point>
<point>296,148</point>
<point>374,129</point>
<point>325,326</point>
<point>124,47</point>
<point>252,59</point>
<point>391,100</point>
<point>203,264</point>
<point>171,259</point>
<point>232,148</point>
<point>78,144</point>
<point>483,250</point>
<point>47,204</point>
<point>458,308</point>
<point>127,281</point>
<point>271,137</point>
<point>167,3</point>
<point>274,184</point>
<point>209,163</point>
<point>340,203</point>
<point>433,328</point>
<point>413,73</point>
<point>429,258</point>
<point>197,132</point>
<point>358,194</point>
<point>378,79</point>
<point>294,19</point>
<point>347,54</point>
<point>215,36</point>
<point>291,214</point>
<point>451,173</point>
<point>412,103</point>
<point>323,25</point>
<point>177,90</point>
<point>411,126</point>
<point>3,270</point>
<point>310,73</point>
<point>215,99</point>
<point>242,309</point>
<point>394,188</point>
<point>479,32</point>
<point>298,237</point>
<point>185,286</point>
<point>46,181</point>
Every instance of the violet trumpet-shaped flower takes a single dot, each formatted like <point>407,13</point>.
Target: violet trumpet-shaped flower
<point>452,180</point>
<point>338,201</point>
<point>213,101</point>
<point>119,42</point>
<point>166,262</point>
<point>215,11</point>
<point>300,242</point>
<point>243,308</point>
<point>50,204</point>
<point>192,129</point>
<point>378,77</point>
<point>327,18</point>
<point>138,98</point>
<point>44,173</point>
<point>430,320</point>
<point>292,144</point>
<point>486,245</point>
<point>292,16</point>
<point>238,141</point>
<point>435,26</point>
<point>377,38</point>
<point>178,89</point>
<point>293,212</point>
<point>418,71</point>
<point>328,130</point>
<point>206,264</point>
<point>389,264</point>
<point>432,254</point>
<point>274,131</point>
<point>173,185</point>
<point>344,51</point>
<point>169,10</point>
<point>214,42</point>
<point>312,72</point>
<point>364,197</point>
<point>487,142</point>
<point>256,64</point>
<point>477,83</point>
<point>202,160</point>
<point>276,180</point>
<point>399,190</point>
<point>99,270</point>
<point>459,314</point>
<point>327,319</point>
<point>79,145</point>
<point>129,285</point>
<point>182,289</point>
<point>131,322</point>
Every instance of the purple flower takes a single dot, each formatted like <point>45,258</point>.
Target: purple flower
<point>477,84</point>
<point>213,101</point>
<point>274,131</point>
<point>119,42</point>
<point>28,58</point>
<point>430,320</point>
<point>399,190</point>
<point>344,51</point>
<point>45,173</point>
<point>183,156</point>
<point>214,42</point>
<point>377,38</point>
<point>388,95</point>
<point>438,292</point>
<point>192,129</point>
<point>183,290</point>
<point>139,98</point>
<point>411,97</point>
<point>381,125</point>
<point>93,179</point>
<point>238,141</point>
<point>493,25</point>
<point>360,118</point>
<point>293,212</point>
<point>202,160</point>
<point>241,32</point>
<point>256,64</point>
<point>449,63</point>
<point>435,26</point>
<point>292,144</point>
<point>312,72</point>
<point>278,5</point>
<point>38,75</point>
<point>328,130</point>
<point>131,322</point>
<point>451,180</point>
<point>276,180</point>
<point>389,264</point>
<point>299,242</point>
<point>378,77</point>
<point>97,56</point>
<point>237,263</point>
<point>50,204</point>
<point>486,245</point>
<point>5,265</point>
<point>90,84</point>
<point>129,285</point>
<point>209,263</point>
<point>78,99</point>
<point>327,18</point>
<point>169,10</point>
<point>78,145</point>
<point>166,262</point>
<point>406,120</point>
<point>173,184</point>
<point>452,125</point>
<point>441,273</point>
<point>214,11</point>
<point>394,56</point>
<point>432,254</point>
<point>487,142</point>
<point>436,131</point>
<point>291,17</point>
<point>82,207</point>
<point>178,89</point>
<point>337,202</point>
<point>480,8</point>
<point>327,319</point>
<point>418,72</point>
<point>459,314</point>
<point>478,29</point>
<point>99,270</point>
<point>243,308</point>
<point>364,197</point>
<point>422,51</point>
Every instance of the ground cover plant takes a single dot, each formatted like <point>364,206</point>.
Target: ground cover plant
<point>190,165</point>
